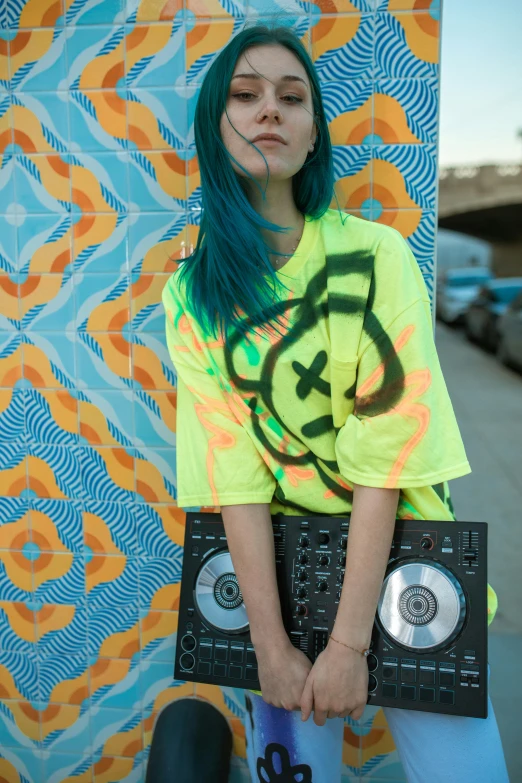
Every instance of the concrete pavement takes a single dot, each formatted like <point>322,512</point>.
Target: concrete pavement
<point>487,399</point>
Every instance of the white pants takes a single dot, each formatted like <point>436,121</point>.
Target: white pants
<point>433,748</point>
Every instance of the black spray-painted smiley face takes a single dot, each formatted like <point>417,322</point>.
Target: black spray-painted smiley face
<point>268,388</point>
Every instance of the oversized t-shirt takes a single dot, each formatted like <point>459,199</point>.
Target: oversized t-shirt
<point>255,422</point>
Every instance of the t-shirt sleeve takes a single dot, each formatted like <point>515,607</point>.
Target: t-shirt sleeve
<point>217,462</point>
<point>402,431</point>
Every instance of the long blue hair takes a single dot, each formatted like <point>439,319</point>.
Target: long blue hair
<point>229,275</point>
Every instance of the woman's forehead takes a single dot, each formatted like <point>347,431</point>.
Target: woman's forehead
<point>271,61</point>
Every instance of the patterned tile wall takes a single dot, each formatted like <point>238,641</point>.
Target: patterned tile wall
<point>99,188</point>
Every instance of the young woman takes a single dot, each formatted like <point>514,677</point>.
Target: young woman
<point>270,421</point>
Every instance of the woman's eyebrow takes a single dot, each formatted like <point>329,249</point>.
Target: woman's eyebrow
<point>286,78</point>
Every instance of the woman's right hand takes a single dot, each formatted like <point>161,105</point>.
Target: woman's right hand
<point>282,674</point>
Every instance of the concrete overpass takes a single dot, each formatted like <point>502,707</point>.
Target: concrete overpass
<point>486,202</point>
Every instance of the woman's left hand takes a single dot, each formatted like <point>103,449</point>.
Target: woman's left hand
<point>337,685</point>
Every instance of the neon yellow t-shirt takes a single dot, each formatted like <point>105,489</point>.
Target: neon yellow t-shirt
<point>255,423</point>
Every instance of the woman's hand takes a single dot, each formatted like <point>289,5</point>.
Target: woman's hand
<point>337,685</point>
<point>282,674</point>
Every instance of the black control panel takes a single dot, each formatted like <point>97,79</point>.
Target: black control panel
<point>429,638</point>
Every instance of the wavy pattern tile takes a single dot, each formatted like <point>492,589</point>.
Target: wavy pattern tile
<point>99,196</point>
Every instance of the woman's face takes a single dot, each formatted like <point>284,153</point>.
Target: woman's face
<point>269,93</point>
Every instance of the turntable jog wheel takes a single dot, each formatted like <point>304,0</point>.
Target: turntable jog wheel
<point>422,605</point>
<point>218,597</point>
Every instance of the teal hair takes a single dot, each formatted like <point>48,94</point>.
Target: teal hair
<point>230,267</point>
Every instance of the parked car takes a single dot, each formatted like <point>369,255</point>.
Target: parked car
<point>509,349</point>
<point>492,300</point>
<point>455,290</point>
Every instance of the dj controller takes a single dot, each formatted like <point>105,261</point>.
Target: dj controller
<point>429,639</point>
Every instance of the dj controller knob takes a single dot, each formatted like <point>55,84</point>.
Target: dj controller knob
<point>372,683</point>
<point>324,560</point>
<point>372,662</point>
<point>301,593</point>
<point>187,661</point>
<point>303,558</point>
<point>342,560</point>
<point>426,542</point>
<point>323,538</point>
<point>301,609</point>
<point>304,542</point>
<point>188,642</point>
<point>322,586</point>
<point>302,576</point>
<point>343,543</point>
<point>340,577</point>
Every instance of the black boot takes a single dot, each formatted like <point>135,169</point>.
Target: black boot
<point>192,743</point>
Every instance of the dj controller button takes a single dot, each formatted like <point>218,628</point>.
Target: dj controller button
<point>474,681</point>
<point>187,661</point>
<point>408,692</point>
<point>204,667</point>
<point>447,697</point>
<point>427,694</point>
<point>389,673</point>
<point>463,679</point>
<point>250,674</point>
<point>236,655</point>
<point>446,678</point>
<point>220,670</point>
<point>221,653</point>
<point>188,642</point>
<point>408,675</point>
<point>389,690</point>
<point>427,677</point>
<point>205,651</point>
<point>251,657</point>
<point>236,672</point>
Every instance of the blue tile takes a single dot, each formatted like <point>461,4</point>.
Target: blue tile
<point>110,171</point>
<point>123,695</point>
<point>93,289</point>
<point>97,484</point>
<point>165,67</point>
<point>93,371</point>
<point>36,231</point>
<point>64,462</point>
<point>66,516</point>
<point>84,44</point>
<point>10,641</point>
<point>48,71</point>
<point>121,521</point>
<point>55,669</point>
<point>148,230</point>
<point>120,590</point>
<point>71,639</point>
<point>155,573</point>
<point>87,132</point>
<point>8,257</point>
<point>51,110</point>
<point>107,12</point>
<point>146,192</point>
<point>31,194</point>
<point>117,408</point>
<point>393,57</point>
<point>67,589</point>
<point>417,164</point>
<point>12,421</point>
<point>154,541</point>
<point>60,352</point>
<point>354,59</point>
<point>110,255</point>
<point>167,108</point>
<point>7,179</point>
<point>57,311</point>
<point>105,622</point>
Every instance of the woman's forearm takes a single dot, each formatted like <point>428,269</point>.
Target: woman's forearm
<point>250,540</point>
<point>370,536</point>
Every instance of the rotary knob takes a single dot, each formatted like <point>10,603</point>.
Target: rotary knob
<point>301,593</point>
<point>343,543</point>
<point>303,542</point>
<point>303,558</point>
<point>302,575</point>
<point>342,560</point>
<point>372,662</point>
<point>324,560</point>
<point>340,577</point>
<point>301,609</point>
<point>322,586</point>
<point>426,542</point>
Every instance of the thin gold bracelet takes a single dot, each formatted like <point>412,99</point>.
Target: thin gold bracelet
<point>365,652</point>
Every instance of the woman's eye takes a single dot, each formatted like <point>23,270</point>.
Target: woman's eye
<point>293,98</point>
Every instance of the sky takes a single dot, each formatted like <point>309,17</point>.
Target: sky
<point>481,82</point>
